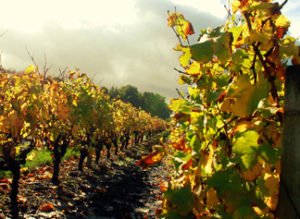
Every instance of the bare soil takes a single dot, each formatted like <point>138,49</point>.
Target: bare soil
<point>114,188</point>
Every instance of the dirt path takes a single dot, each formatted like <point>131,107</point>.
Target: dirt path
<point>113,189</point>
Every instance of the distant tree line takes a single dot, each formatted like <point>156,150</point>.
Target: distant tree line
<point>153,103</point>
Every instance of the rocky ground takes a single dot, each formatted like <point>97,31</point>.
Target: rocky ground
<point>115,188</point>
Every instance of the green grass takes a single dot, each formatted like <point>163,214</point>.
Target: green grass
<point>71,152</point>
<point>40,157</point>
<point>5,174</point>
<point>37,158</point>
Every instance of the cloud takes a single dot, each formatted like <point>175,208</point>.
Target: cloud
<point>99,40</point>
<point>291,10</point>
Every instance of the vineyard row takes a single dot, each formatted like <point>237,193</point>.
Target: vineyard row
<point>38,112</point>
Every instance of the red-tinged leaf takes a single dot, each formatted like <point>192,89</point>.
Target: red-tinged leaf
<point>4,187</point>
<point>179,116</point>
<point>180,145</point>
<point>222,96</point>
<point>22,199</point>
<point>189,30</point>
<point>158,211</point>
<point>163,185</point>
<point>30,175</point>
<point>296,60</point>
<point>46,207</point>
<point>281,31</point>
<point>150,159</point>
<point>215,143</point>
<point>187,165</point>
<point>244,3</point>
<point>5,180</point>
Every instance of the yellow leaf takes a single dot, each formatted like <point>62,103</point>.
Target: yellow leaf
<point>32,155</point>
<point>258,211</point>
<point>34,97</point>
<point>235,5</point>
<point>206,162</point>
<point>24,106</point>
<point>181,81</point>
<point>271,202</point>
<point>74,102</point>
<point>30,69</point>
<point>24,169</point>
<point>25,134</point>
<point>282,21</point>
<point>243,126</point>
<point>184,59</point>
<point>18,149</point>
<point>212,197</point>
<point>194,69</point>
<point>251,174</point>
<point>272,183</point>
<point>245,97</point>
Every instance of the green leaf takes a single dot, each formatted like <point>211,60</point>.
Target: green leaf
<point>176,104</point>
<point>182,157</point>
<point>225,181</point>
<point>245,211</point>
<point>222,47</point>
<point>237,58</point>
<point>219,45</point>
<point>181,199</point>
<point>236,32</point>
<point>195,144</point>
<point>202,52</point>
<point>176,215</point>
<point>268,153</point>
<point>246,147</point>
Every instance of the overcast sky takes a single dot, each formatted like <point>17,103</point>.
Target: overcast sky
<point>117,42</point>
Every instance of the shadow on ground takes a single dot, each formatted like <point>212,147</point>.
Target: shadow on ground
<point>115,188</point>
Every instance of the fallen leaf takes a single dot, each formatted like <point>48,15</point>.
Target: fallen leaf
<point>150,159</point>
<point>163,185</point>
<point>46,207</point>
<point>5,180</point>
<point>22,199</point>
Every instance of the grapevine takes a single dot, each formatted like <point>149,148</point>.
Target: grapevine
<point>38,112</point>
<point>226,137</point>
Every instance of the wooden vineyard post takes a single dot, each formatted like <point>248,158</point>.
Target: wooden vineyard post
<point>289,198</point>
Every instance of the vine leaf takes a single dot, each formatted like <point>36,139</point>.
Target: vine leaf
<point>184,59</point>
<point>181,199</point>
<point>182,26</point>
<point>150,159</point>
<point>252,173</point>
<point>30,69</point>
<point>245,98</point>
<point>212,197</point>
<point>194,69</point>
<point>219,46</point>
<point>246,147</point>
<point>202,52</point>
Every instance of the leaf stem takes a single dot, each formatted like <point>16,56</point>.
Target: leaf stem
<point>219,129</point>
<point>253,68</point>
<point>180,94</point>
<point>180,72</point>
<point>269,75</point>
